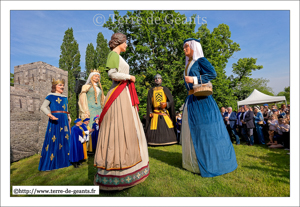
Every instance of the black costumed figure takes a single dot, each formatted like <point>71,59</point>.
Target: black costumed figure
<point>160,117</point>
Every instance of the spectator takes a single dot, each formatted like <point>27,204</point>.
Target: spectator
<point>231,125</point>
<point>275,111</point>
<point>249,124</point>
<point>286,134</point>
<point>239,120</point>
<point>288,119</point>
<point>282,127</point>
<point>261,108</point>
<point>223,113</point>
<point>258,120</point>
<point>266,106</point>
<point>265,125</point>
<point>283,107</point>
<point>272,128</point>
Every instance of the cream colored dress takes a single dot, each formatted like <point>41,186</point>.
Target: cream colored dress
<point>189,158</point>
<point>121,154</point>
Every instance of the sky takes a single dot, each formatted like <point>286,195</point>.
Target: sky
<point>36,35</point>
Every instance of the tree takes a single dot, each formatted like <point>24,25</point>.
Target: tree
<point>243,68</point>
<point>89,59</point>
<point>70,61</point>
<point>12,77</point>
<point>285,93</point>
<point>218,48</point>
<point>101,52</point>
<point>247,85</point>
<point>155,45</point>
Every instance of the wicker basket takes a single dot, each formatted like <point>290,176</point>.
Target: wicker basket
<point>203,89</point>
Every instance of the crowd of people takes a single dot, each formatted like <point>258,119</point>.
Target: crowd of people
<point>259,124</point>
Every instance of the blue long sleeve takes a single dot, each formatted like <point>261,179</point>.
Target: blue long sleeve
<point>207,72</point>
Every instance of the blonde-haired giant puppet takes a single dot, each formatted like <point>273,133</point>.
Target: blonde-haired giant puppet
<point>91,98</point>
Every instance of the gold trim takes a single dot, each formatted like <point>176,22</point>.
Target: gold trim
<point>117,168</point>
<point>162,143</point>
<point>58,81</point>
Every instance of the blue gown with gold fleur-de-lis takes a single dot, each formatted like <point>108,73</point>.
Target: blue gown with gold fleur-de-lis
<point>55,152</point>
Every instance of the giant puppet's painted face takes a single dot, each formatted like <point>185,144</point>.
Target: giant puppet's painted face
<point>59,88</point>
<point>158,81</point>
<point>96,78</point>
<point>123,47</point>
<point>188,50</point>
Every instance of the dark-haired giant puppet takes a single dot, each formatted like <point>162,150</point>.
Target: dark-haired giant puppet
<point>55,151</point>
<point>121,153</point>
<point>160,117</point>
<point>206,147</point>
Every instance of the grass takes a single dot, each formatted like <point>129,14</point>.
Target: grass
<point>261,172</point>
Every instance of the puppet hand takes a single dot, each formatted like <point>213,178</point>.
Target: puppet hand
<point>189,79</point>
<point>163,105</point>
<point>132,78</point>
<point>52,117</point>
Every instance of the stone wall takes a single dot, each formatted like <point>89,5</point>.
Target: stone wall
<point>32,83</point>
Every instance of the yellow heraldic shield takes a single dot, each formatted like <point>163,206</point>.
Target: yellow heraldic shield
<point>158,97</point>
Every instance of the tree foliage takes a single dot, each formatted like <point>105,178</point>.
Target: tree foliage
<point>243,69</point>
<point>89,59</point>
<point>285,93</point>
<point>101,52</point>
<point>70,61</point>
<point>247,85</point>
<point>12,77</point>
<point>155,45</point>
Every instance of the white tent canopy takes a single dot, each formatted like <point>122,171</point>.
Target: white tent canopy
<point>257,97</point>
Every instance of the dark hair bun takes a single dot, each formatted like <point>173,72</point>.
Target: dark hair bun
<point>116,40</point>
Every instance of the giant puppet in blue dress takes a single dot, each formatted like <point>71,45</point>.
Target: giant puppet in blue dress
<point>206,146</point>
<point>55,151</point>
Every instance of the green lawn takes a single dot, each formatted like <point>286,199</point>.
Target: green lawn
<point>261,172</point>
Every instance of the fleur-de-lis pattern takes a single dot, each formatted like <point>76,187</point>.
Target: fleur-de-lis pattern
<point>53,138</point>
<point>51,158</point>
<point>67,137</point>
<point>58,100</point>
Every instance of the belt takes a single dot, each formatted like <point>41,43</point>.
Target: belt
<point>160,113</point>
<point>64,112</point>
<point>191,91</point>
